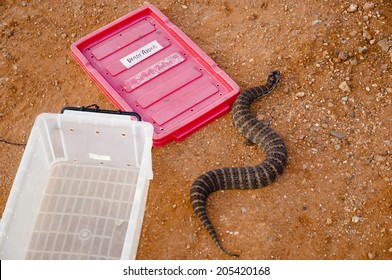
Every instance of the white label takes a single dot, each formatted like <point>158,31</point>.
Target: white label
<point>141,54</point>
<point>99,157</point>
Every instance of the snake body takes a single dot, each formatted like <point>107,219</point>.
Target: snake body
<point>249,177</point>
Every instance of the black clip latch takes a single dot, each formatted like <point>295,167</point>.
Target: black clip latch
<point>95,109</point>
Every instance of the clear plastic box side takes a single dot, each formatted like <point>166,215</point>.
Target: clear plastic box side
<point>27,192</point>
<point>137,213</point>
<point>91,138</point>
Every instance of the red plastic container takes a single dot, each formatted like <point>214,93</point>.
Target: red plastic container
<point>144,63</point>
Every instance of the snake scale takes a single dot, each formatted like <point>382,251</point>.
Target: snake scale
<point>249,177</point>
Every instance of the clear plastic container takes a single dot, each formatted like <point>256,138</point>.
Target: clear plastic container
<point>80,190</point>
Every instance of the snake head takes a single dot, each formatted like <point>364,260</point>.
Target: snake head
<point>272,81</point>
<point>274,76</point>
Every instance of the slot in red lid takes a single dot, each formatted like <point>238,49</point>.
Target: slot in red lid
<point>144,63</point>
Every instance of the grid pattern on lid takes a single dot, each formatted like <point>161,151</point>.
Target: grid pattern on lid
<point>84,213</point>
<point>144,63</point>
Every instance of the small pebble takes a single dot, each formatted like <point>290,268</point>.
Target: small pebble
<point>344,86</point>
<point>343,56</point>
<point>7,55</point>
<point>355,219</point>
<point>362,49</point>
<point>337,134</point>
<point>371,255</point>
<point>379,158</point>
<point>174,206</point>
<point>316,22</point>
<point>367,35</point>
<point>385,44</point>
<point>253,16</point>
<point>354,62</point>
<point>243,210</point>
<point>329,221</point>
<point>300,94</point>
<point>390,250</point>
<point>353,8</point>
<point>8,32</point>
<point>368,6</point>
<point>337,147</point>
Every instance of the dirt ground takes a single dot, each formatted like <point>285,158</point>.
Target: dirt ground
<point>332,108</point>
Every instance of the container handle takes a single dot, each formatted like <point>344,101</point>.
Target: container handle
<point>95,109</point>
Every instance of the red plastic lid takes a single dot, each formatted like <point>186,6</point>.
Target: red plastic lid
<point>144,63</point>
